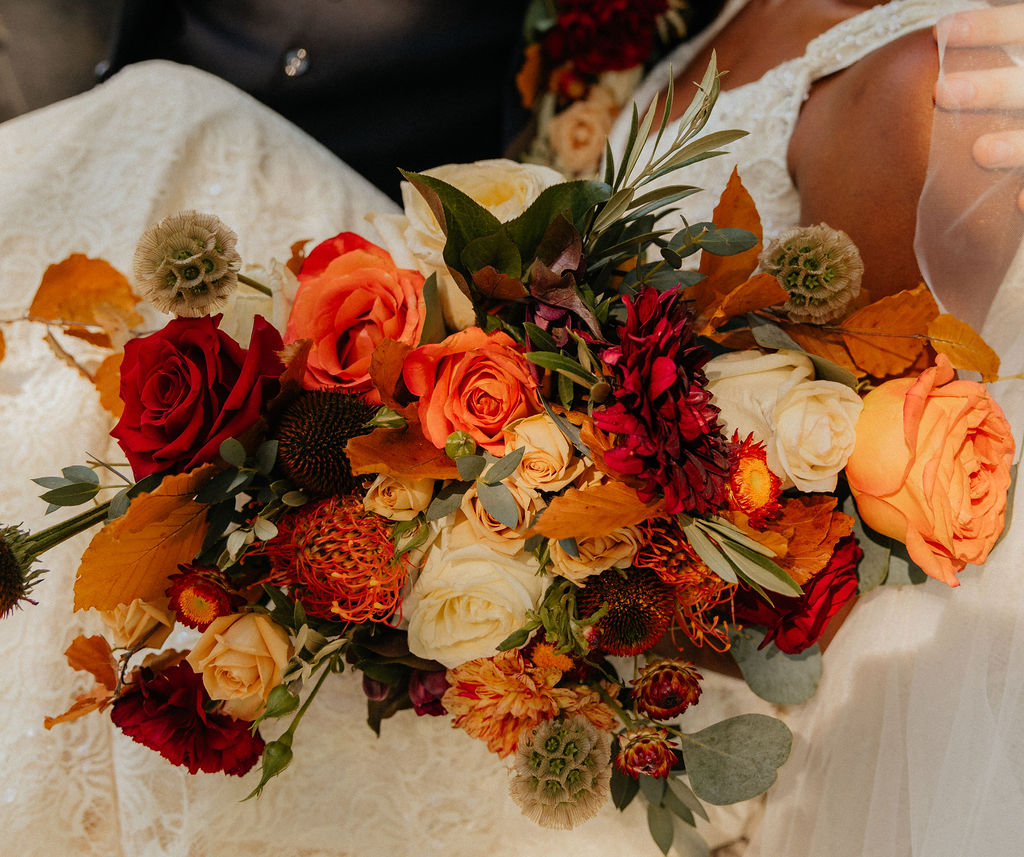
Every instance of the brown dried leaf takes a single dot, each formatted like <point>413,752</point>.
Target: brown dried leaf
<point>107,379</point>
<point>811,527</point>
<point>885,338</point>
<point>760,291</point>
<point>94,700</point>
<point>386,364</point>
<point>498,286</point>
<point>529,77</point>
<point>298,256</point>
<point>3,346</point>
<point>87,292</point>
<point>594,512</point>
<point>735,209</point>
<point>133,556</point>
<point>963,346</point>
<point>94,656</point>
<point>399,452</point>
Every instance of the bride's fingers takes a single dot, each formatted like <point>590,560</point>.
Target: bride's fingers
<point>991,89</point>
<point>1000,25</point>
<point>999,150</point>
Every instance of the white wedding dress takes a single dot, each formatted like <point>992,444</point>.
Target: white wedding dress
<point>914,743</point>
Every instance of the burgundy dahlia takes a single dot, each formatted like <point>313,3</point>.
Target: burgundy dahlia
<point>666,688</point>
<point>604,35</point>
<point>647,750</point>
<point>165,712</point>
<point>668,431</point>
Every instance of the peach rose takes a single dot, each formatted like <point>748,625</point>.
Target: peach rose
<point>398,499</point>
<point>618,549</point>
<point>931,468</point>
<point>549,462</point>
<point>241,659</point>
<point>496,535</point>
<point>577,134</point>
<point>130,624</point>
<point>474,382</point>
<point>351,296</point>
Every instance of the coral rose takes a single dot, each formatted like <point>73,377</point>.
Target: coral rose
<point>351,296</point>
<point>931,468</point>
<point>474,382</point>
<point>241,658</point>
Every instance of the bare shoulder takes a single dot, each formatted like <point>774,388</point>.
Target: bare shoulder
<point>859,157</point>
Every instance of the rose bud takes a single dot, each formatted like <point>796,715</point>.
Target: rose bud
<point>426,690</point>
<point>375,690</point>
<point>666,688</point>
<point>647,750</point>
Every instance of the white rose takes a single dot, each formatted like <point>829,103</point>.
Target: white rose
<point>549,462</point>
<point>814,434</point>
<point>618,549</point>
<point>467,600</point>
<point>505,188</point>
<point>398,499</point>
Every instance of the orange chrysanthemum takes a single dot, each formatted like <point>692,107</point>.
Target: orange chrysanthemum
<point>753,489</point>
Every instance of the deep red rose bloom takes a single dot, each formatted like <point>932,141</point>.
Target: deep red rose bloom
<point>668,432</point>
<point>190,386</point>
<point>604,35</point>
<point>164,711</point>
<point>796,623</point>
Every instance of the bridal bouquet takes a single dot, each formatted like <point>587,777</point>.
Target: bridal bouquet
<point>485,473</point>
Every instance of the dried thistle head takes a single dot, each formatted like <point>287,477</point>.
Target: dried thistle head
<point>821,269</point>
<point>16,574</point>
<point>187,264</point>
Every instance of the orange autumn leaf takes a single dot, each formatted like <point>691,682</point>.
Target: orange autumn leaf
<point>887,336</point>
<point>812,528</point>
<point>760,291</point>
<point>133,556</point>
<point>400,452</point>
<point>94,656</point>
<point>385,371</point>
<point>93,700</point>
<point>3,345</point>
<point>298,256</point>
<point>83,291</point>
<point>528,78</point>
<point>823,343</point>
<point>963,346</point>
<point>735,209</point>
<point>107,380</point>
<point>594,512</point>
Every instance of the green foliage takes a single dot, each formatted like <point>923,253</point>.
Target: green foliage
<point>773,674</point>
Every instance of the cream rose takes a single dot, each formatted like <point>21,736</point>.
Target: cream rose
<point>130,624</point>
<point>549,462</point>
<point>577,135</point>
<point>807,426</point>
<point>467,600</point>
<point>241,658</point>
<point>618,549</point>
<point>398,499</point>
<point>505,188</point>
<point>484,528</point>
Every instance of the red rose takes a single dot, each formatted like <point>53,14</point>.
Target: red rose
<point>796,623</point>
<point>351,297</point>
<point>190,386</point>
<point>605,35</point>
<point>166,712</point>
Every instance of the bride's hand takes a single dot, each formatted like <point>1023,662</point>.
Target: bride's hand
<point>987,89</point>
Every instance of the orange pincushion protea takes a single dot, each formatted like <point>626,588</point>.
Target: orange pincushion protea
<point>753,489</point>
<point>344,562</point>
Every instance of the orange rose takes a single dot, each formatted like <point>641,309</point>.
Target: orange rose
<point>931,467</point>
<point>474,382</point>
<point>351,296</point>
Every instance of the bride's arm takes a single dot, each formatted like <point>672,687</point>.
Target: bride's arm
<point>859,157</point>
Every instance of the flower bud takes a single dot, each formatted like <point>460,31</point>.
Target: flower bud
<point>459,443</point>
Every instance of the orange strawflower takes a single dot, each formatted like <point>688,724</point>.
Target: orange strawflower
<point>752,488</point>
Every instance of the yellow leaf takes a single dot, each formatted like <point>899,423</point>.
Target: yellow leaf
<point>107,380</point>
<point>594,512</point>
<point>963,346</point>
<point>760,291</point>
<point>87,291</point>
<point>133,556</point>
<point>887,337</point>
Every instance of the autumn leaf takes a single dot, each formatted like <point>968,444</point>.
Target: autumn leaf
<point>298,256</point>
<point>887,336</point>
<point>386,364</point>
<point>83,291</point>
<point>133,556</point>
<point>3,346</point>
<point>963,346</point>
<point>823,343</point>
<point>594,512</point>
<point>528,78</point>
<point>760,291</point>
<point>94,700</point>
<point>107,379</point>
<point>94,656</point>
<point>399,452</point>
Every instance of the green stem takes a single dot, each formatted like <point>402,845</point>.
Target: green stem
<point>43,540</point>
<point>255,284</point>
<point>299,714</point>
<point>614,706</point>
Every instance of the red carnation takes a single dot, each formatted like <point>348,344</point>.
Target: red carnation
<point>796,623</point>
<point>166,712</point>
<point>604,35</point>
<point>668,432</point>
<point>190,386</point>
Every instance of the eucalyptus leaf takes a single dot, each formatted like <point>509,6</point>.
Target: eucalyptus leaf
<point>624,788</point>
<point>264,530</point>
<point>689,843</point>
<point>670,800</point>
<point>219,487</point>
<point>570,547</point>
<point>652,788</point>
<point>662,827</point>
<point>81,473</point>
<point>761,570</point>
<point>505,466</point>
<point>118,505</point>
<point>232,451</point>
<point>294,498</point>
<point>569,430</point>
<point>902,569</point>
<point>51,481</point>
<point>499,503</point>
<point>874,565</point>
<point>736,759</point>
<point>470,466</point>
<point>710,553</point>
<point>728,241</point>
<point>685,794</point>
<point>266,455</point>
<point>773,674</point>
<point>448,499</point>
<point>70,495</point>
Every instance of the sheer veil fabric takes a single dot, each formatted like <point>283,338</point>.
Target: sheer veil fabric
<point>912,746</point>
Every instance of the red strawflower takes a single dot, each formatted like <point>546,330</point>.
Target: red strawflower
<point>666,688</point>
<point>166,712</point>
<point>604,35</point>
<point>668,432</point>
<point>198,594</point>
<point>647,750</point>
<point>639,610</point>
<point>794,624</point>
